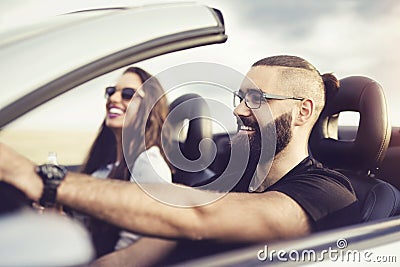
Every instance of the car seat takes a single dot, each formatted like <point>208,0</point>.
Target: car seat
<point>191,111</point>
<point>360,158</point>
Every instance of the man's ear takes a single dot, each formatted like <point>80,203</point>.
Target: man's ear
<point>304,113</point>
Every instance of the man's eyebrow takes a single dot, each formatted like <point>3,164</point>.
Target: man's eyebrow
<point>249,90</point>
<point>245,88</point>
<point>243,91</point>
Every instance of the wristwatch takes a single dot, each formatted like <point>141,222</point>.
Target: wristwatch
<point>52,176</point>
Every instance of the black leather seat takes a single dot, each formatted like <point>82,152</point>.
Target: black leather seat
<point>197,144</point>
<point>360,158</point>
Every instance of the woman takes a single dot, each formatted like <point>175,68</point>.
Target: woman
<point>107,147</point>
<point>145,124</point>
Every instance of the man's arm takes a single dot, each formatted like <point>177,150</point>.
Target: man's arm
<point>237,217</point>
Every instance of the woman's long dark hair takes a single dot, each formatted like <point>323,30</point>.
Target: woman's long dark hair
<point>104,149</point>
<point>102,152</point>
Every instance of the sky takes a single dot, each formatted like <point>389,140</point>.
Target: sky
<point>344,37</point>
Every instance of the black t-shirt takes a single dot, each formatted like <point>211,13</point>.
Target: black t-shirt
<point>326,195</point>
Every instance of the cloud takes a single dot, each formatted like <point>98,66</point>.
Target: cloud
<point>297,19</point>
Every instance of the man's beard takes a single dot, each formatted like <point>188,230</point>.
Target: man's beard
<point>282,128</point>
<point>260,141</point>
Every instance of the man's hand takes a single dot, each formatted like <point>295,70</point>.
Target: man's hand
<point>18,171</point>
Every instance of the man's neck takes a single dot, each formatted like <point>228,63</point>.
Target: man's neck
<point>284,162</point>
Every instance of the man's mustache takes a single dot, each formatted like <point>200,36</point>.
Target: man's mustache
<point>247,121</point>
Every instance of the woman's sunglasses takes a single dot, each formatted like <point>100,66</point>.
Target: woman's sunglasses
<point>126,93</point>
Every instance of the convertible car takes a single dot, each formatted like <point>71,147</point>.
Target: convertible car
<point>53,73</point>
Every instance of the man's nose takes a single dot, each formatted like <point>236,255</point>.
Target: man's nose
<point>242,110</point>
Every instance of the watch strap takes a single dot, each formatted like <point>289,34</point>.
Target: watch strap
<point>52,176</point>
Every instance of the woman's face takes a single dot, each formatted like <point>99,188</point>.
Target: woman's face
<point>118,102</point>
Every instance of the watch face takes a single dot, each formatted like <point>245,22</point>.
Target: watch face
<point>53,171</point>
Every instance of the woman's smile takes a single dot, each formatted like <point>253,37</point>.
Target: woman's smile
<point>114,112</point>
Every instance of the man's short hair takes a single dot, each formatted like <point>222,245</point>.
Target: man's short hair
<point>299,78</point>
<point>286,61</point>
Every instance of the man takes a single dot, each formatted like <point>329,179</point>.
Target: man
<point>295,197</point>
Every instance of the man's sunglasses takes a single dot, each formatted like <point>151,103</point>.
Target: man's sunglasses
<point>126,93</point>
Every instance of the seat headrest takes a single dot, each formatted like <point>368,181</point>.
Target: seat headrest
<point>366,152</point>
<point>194,109</point>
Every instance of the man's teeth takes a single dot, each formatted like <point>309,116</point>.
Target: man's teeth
<point>246,128</point>
<point>115,111</point>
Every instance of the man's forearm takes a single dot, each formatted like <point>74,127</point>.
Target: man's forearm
<point>126,205</point>
<point>120,203</point>
<point>236,217</point>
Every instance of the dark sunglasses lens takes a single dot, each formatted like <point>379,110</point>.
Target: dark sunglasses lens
<point>110,91</point>
<point>253,99</point>
<point>127,93</point>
